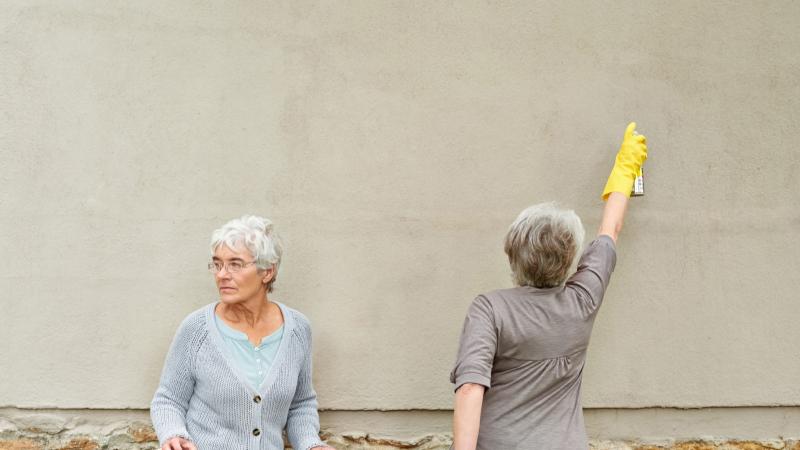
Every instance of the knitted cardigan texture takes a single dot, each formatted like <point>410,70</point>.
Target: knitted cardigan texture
<point>204,398</point>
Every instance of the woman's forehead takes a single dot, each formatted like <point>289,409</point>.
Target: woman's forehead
<point>223,251</point>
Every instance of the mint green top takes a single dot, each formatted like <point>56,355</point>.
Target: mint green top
<point>252,362</point>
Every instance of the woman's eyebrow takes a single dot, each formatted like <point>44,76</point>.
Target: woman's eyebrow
<point>215,258</point>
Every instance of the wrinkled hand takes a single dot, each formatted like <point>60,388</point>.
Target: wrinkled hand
<point>632,154</point>
<point>178,443</point>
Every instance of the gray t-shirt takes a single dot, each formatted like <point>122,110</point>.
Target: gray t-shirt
<point>528,347</point>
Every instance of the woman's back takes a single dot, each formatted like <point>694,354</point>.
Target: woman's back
<point>528,346</point>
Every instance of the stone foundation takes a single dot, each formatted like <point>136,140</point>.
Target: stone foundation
<point>130,430</point>
<point>142,437</point>
<point>28,442</point>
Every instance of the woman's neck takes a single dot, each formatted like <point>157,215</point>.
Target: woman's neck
<point>251,311</point>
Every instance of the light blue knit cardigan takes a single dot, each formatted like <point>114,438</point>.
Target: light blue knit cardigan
<point>204,398</point>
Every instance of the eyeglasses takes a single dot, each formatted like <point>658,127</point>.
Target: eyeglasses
<point>230,266</point>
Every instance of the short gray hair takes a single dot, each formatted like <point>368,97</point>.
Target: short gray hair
<point>258,236</point>
<point>542,244</point>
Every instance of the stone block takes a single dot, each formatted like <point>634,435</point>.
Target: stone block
<point>141,432</point>
<point>80,444</point>
<point>20,444</point>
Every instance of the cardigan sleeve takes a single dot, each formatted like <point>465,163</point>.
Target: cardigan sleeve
<point>302,424</point>
<point>171,400</point>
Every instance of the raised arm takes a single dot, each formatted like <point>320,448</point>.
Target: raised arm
<point>631,156</point>
<point>613,215</point>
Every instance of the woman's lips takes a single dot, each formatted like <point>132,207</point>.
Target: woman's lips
<point>227,289</point>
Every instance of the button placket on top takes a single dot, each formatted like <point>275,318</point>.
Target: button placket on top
<point>257,359</point>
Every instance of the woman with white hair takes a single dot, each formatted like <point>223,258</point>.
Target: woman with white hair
<point>522,350</point>
<point>239,370</point>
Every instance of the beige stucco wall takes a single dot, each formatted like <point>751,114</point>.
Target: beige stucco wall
<point>393,143</point>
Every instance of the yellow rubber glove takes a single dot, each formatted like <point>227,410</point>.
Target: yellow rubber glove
<point>628,164</point>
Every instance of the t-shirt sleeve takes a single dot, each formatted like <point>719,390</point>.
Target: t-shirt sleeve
<point>594,272</point>
<point>477,346</point>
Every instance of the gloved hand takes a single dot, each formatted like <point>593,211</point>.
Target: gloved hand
<point>628,164</point>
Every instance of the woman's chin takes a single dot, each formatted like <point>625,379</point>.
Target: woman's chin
<point>229,299</point>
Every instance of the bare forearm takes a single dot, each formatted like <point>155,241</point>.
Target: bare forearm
<point>613,215</point>
<point>467,416</point>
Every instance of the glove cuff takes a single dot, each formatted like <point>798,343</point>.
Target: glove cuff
<point>619,181</point>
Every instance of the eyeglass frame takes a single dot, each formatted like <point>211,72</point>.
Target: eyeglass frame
<point>212,266</point>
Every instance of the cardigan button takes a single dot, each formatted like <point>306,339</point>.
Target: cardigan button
<point>256,432</point>
<point>257,399</point>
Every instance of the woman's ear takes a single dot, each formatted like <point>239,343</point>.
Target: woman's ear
<point>269,274</point>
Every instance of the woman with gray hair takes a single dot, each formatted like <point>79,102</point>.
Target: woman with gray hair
<point>239,370</point>
<point>522,350</point>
